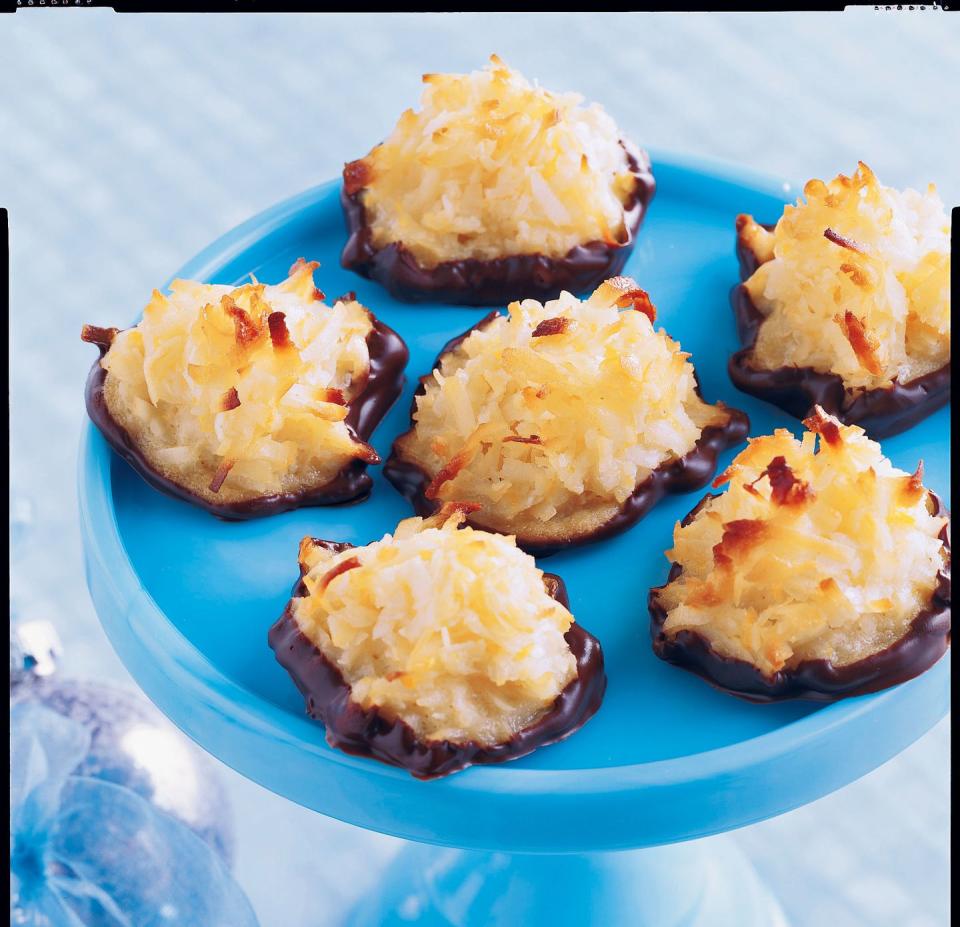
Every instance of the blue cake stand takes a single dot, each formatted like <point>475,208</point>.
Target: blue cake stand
<point>187,600</point>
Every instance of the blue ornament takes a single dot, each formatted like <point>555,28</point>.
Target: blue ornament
<point>86,851</point>
<point>131,744</point>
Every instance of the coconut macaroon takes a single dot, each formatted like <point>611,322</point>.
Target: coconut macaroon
<point>437,647</point>
<point>495,187</point>
<point>247,400</point>
<point>565,421</point>
<point>822,572</point>
<point>846,304</point>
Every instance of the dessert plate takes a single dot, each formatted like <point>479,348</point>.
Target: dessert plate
<point>187,600</point>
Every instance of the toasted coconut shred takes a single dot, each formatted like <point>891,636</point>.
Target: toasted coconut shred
<point>447,628</point>
<point>819,549</point>
<point>239,391</point>
<point>856,281</point>
<point>492,165</point>
<point>557,409</point>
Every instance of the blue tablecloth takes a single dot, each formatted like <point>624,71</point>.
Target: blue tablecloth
<point>127,143</point>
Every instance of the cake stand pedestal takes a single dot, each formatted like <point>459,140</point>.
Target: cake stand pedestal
<point>704,883</point>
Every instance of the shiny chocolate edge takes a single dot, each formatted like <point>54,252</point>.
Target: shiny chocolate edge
<point>383,386</point>
<point>923,643</point>
<point>474,282</point>
<point>366,732</point>
<point>687,473</point>
<point>880,412</point>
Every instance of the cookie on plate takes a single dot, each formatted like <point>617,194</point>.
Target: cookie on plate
<point>495,188</point>
<point>437,647</point>
<point>822,572</point>
<point>846,304</point>
<point>564,421</point>
<point>247,400</point>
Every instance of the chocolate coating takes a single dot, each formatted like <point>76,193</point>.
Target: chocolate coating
<point>388,358</point>
<point>880,412</point>
<point>474,282</point>
<point>922,644</point>
<point>692,471</point>
<point>367,732</point>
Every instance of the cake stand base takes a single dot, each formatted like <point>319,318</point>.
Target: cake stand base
<point>697,884</point>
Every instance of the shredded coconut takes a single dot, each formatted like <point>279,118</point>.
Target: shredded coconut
<point>556,409</point>
<point>855,281</point>
<point>491,166</point>
<point>817,550</point>
<point>448,628</point>
<point>241,391</point>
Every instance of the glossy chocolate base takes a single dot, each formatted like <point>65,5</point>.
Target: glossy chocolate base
<point>366,732</point>
<point>923,644</point>
<point>388,358</point>
<point>474,282</point>
<point>692,471</point>
<point>880,412</point>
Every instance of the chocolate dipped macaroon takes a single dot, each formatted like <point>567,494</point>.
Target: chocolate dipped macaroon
<point>436,648</point>
<point>495,187</point>
<point>565,422</point>
<point>845,304</point>
<point>822,572</point>
<point>247,400</point>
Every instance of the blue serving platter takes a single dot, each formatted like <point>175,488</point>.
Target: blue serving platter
<point>187,599</point>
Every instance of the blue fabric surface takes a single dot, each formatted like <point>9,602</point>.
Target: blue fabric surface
<point>130,142</point>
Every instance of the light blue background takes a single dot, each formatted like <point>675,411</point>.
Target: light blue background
<point>132,141</point>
